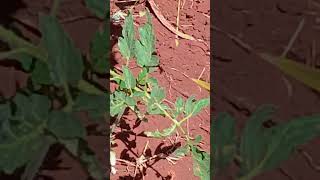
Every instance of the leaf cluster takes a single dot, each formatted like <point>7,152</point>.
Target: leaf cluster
<point>145,90</point>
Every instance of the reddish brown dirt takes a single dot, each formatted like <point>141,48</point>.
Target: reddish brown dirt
<point>189,57</point>
<point>59,164</point>
<point>267,26</point>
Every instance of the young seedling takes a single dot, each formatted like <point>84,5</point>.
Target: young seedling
<point>146,90</point>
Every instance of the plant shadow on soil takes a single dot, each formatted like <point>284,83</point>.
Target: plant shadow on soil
<point>124,136</point>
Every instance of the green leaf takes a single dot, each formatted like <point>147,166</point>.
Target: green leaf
<point>100,51</point>
<point>91,163</point>
<point>157,94</point>
<point>189,105</point>
<point>33,109</point>
<point>145,46</point>
<point>21,136</point>
<point>86,87</point>
<point>305,74</point>
<point>128,78</point>
<point>98,7</point>
<point>224,141</point>
<point>199,105</point>
<point>253,133</point>
<point>130,101</point>
<point>5,113</point>
<point>126,42</point>
<point>65,125</point>
<point>41,74</point>
<point>153,82</point>
<point>280,143</point>
<point>179,106</point>
<point>201,163</point>
<point>143,76</point>
<point>71,144</point>
<point>165,133</point>
<point>197,139</point>
<point>20,55</point>
<point>117,102</point>
<point>18,44</point>
<point>95,105</point>
<point>64,60</point>
<point>138,94</point>
<point>34,165</point>
<point>155,110</point>
<point>181,151</point>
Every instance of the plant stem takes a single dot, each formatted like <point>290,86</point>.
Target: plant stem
<point>114,74</point>
<point>117,121</point>
<point>13,40</point>
<point>69,105</point>
<point>55,7</point>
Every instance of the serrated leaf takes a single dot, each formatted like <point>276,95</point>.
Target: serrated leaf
<point>18,54</point>
<point>164,133</point>
<point>95,105</point>
<point>138,94</point>
<point>21,133</point>
<point>128,78</point>
<point>92,164</point>
<point>145,46</point>
<point>65,125</point>
<point>153,82</point>
<point>201,163</point>
<point>117,102</point>
<point>130,101</point>
<point>72,145</point>
<point>279,143</point>
<point>197,139</point>
<point>224,141</point>
<point>126,43</point>
<point>199,105</point>
<point>153,109</point>
<point>40,74</point>
<point>99,50</point>
<point>179,106</point>
<point>181,151</point>
<point>157,94</point>
<point>142,76</point>
<point>253,134</point>
<point>98,7</point>
<point>64,60</point>
<point>33,109</point>
<point>34,165</point>
<point>89,88</point>
<point>189,105</point>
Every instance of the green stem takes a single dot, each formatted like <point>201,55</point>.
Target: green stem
<point>117,121</point>
<point>15,41</point>
<point>55,7</point>
<point>114,74</point>
<point>69,105</point>
<point>12,53</point>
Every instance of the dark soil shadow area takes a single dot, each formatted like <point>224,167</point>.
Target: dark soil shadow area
<point>58,164</point>
<point>244,81</point>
